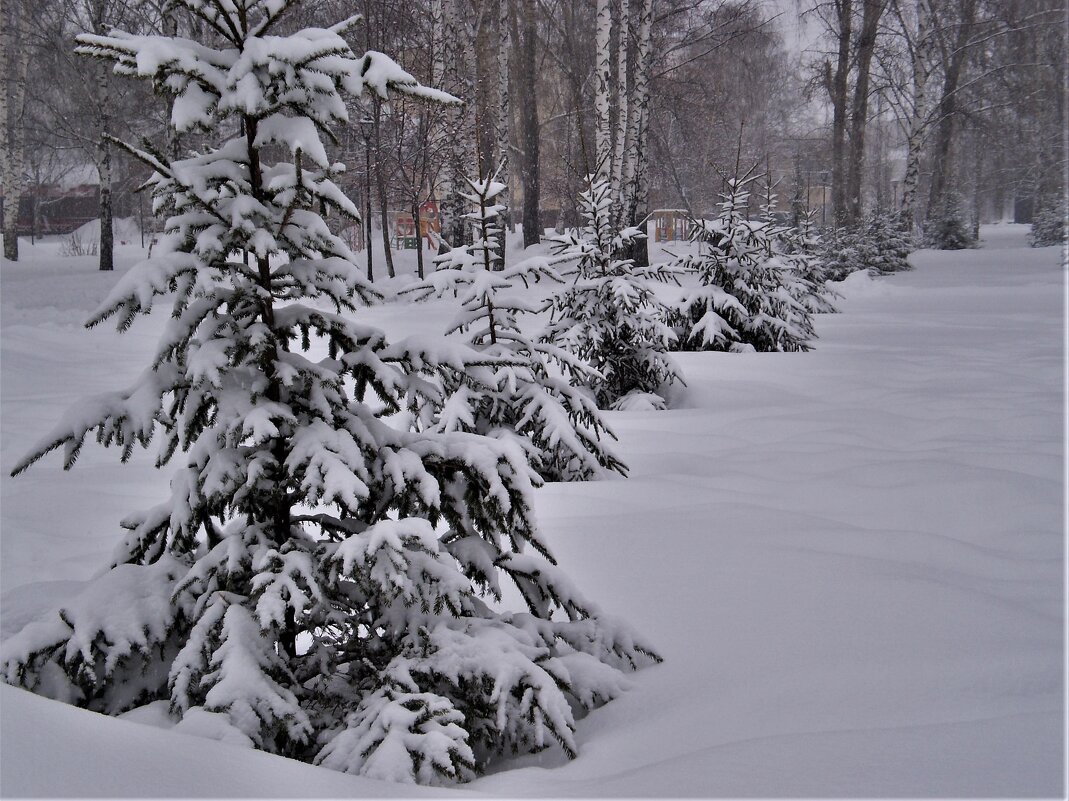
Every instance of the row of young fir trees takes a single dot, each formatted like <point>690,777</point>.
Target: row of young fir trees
<point>347,513</point>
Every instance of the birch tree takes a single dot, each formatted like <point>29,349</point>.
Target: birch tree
<point>636,174</point>
<point>602,91</point>
<point>920,43</point>
<point>623,95</point>
<point>90,105</point>
<point>14,62</point>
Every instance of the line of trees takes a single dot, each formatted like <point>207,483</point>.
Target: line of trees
<point>973,90</point>
<point>900,105</point>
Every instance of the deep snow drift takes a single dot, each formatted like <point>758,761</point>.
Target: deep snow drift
<point>851,559</point>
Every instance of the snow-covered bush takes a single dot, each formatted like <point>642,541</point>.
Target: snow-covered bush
<point>803,251</point>
<point>887,243</point>
<point>529,397</point>
<point>609,315</point>
<point>799,247</point>
<point>840,253</point>
<point>750,293</point>
<point>317,583</point>
<point>74,246</point>
<point>1048,226</point>
<point>947,227</point>
<point>880,243</point>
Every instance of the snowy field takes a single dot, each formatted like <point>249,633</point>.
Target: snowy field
<point>852,560</point>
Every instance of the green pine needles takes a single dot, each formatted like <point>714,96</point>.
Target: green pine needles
<point>537,396</point>
<point>759,281</point>
<point>323,581</point>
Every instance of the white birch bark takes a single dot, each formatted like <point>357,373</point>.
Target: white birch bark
<point>16,60</point>
<point>6,52</point>
<point>638,119</point>
<point>622,110</point>
<point>640,202</point>
<point>443,187</point>
<point>603,70</point>
<point>437,43</point>
<point>918,123</point>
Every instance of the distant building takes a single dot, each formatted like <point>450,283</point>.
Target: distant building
<point>54,209</point>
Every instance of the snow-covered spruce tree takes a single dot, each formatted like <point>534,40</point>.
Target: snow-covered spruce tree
<point>314,585</point>
<point>946,227</point>
<point>1048,226</point>
<point>748,298</point>
<point>530,398</point>
<point>888,242</point>
<point>802,250</point>
<point>797,248</point>
<point>609,315</point>
<point>840,253</point>
<point>880,243</point>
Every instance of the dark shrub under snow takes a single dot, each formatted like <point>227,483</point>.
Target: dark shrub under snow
<point>1048,227</point>
<point>880,244</point>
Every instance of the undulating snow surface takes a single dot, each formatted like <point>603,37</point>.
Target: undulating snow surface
<point>851,559</point>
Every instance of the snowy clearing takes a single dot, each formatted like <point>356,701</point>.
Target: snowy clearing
<point>852,559</point>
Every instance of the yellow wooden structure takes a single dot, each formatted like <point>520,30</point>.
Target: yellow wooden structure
<point>669,225</point>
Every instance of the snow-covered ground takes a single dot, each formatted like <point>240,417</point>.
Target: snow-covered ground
<point>851,559</point>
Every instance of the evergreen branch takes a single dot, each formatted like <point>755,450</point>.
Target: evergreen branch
<point>270,19</point>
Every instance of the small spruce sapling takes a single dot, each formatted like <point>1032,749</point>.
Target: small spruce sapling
<point>946,227</point>
<point>795,246</point>
<point>748,298</point>
<point>802,249</point>
<point>529,398</point>
<point>1049,224</point>
<point>610,316</point>
<point>891,242</point>
<point>880,243</point>
<point>315,583</point>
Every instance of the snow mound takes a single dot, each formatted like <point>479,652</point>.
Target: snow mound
<point>124,229</point>
<point>851,559</point>
<point>639,402</point>
<point>860,281</point>
<point>69,752</point>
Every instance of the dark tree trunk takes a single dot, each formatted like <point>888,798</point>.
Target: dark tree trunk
<point>277,511</point>
<point>836,83</point>
<point>419,238</point>
<point>799,198</point>
<point>942,169</point>
<point>384,215</point>
<point>529,159</point>
<point>978,182</point>
<point>366,221</point>
<point>107,235</point>
<point>380,185</point>
<point>859,110</point>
